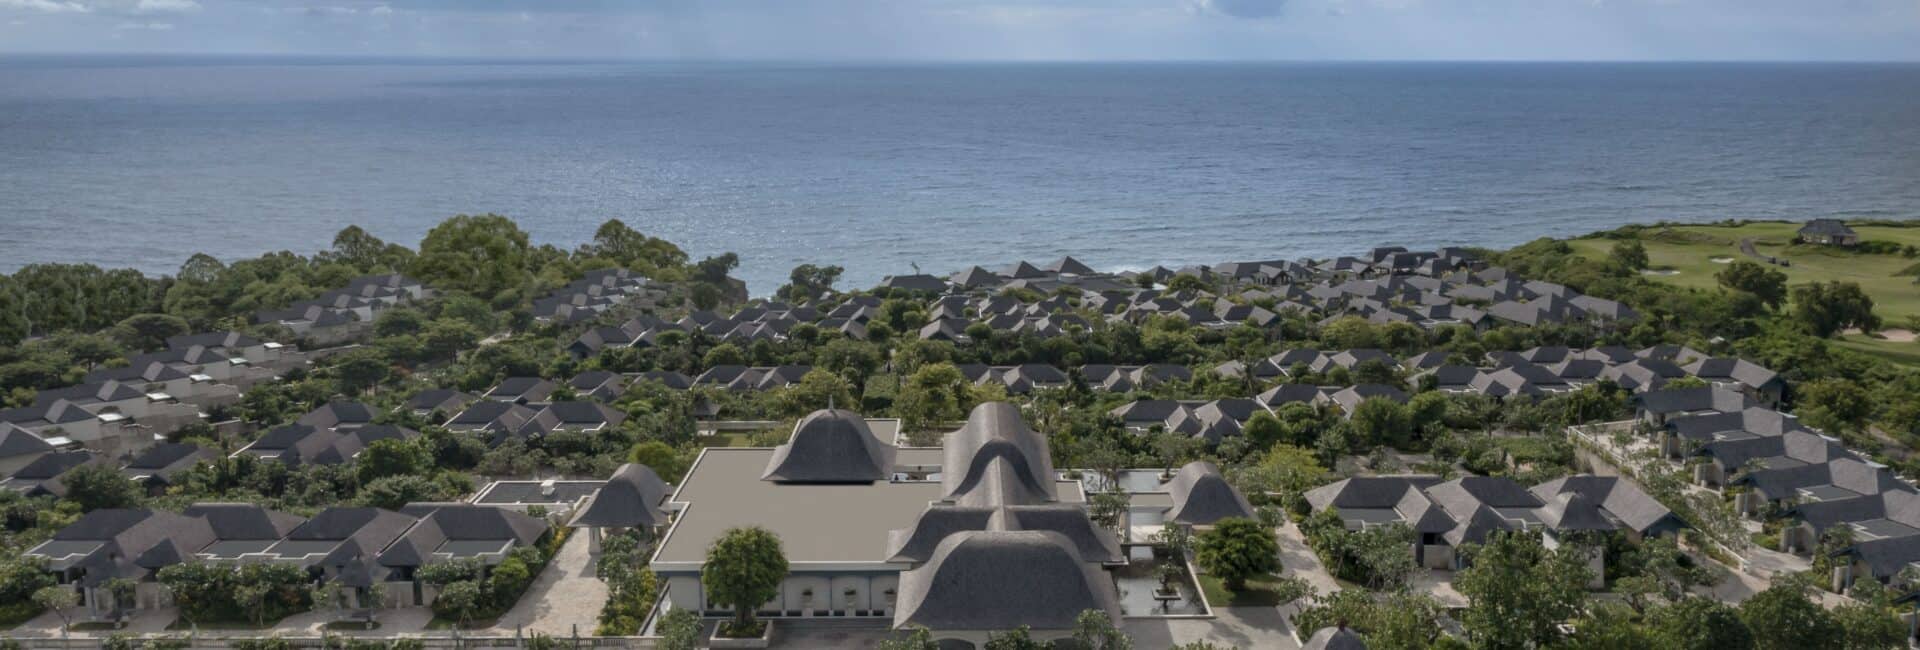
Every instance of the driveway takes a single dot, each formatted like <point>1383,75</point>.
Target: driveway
<point>565,598</point>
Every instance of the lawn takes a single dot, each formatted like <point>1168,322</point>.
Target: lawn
<point>1259,592</point>
<point>1896,351</point>
<point>1690,252</point>
<point>727,440</point>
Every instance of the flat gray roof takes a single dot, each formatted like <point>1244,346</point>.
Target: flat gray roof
<point>235,548</point>
<point>521,492</point>
<point>843,523</point>
<point>815,522</point>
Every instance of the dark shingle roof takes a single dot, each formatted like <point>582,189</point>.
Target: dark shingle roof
<point>631,499</point>
<point>996,460</point>
<point>831,446</point>
<point>995,580</point>
<point>1202,496</point>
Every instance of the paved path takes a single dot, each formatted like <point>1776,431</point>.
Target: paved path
<point>1296,560</point>
<point>47,625</point>
<point>1232,627</point>
<point>565,595</point>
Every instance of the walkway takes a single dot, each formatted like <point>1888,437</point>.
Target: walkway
<point>1231,627</point>
<point>565,597</point>
<point>1298,561</point>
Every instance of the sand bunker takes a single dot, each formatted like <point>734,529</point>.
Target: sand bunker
<point>1720,260</point>
<point>1660,272</point>
<point>1893,334</point>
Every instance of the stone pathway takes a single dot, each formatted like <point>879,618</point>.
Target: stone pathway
<point>564,598</point>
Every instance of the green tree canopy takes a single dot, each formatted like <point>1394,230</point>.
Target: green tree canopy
<point>744,568</point>
<point>1236,549</point>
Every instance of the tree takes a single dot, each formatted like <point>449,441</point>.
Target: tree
<point>1519,592</point>
<point>99,486</point>
<point>360,370</point>
<point>1236,549</point>
<point>1696,623</point>
<point>459,599</point>
<point>446,338</point>
<point>616,241</point>
<point>661,458</point>
<point>483,255</point>
<point>1828,307</point>
<point>58,599</point>
<point>392,457</point>
<point>1870,626</point>
<point>1094,630</point>
<point>1015,639</point>
<point>1381,421</point>
<point>1769,285</point>
<point>1107,509</point>
<point>808,281</point>
<point>366,253</point>
<point>679,630</point>
<point>713,270</point>
<point>935,393</point>
<point>744,568</point>
<point>149,331</point>
<point>1630,255</point>
<point>1783,618</point>
<point>816,390</point>
<point>1835,404</point>
<point>1263,430</point>
<point>392,492</point>
<point>916,638</point>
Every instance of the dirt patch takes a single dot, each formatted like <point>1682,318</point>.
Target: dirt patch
<point>1893,334</point>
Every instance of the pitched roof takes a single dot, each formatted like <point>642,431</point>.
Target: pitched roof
<point>17,441</point>
<point>1202,496</point>
<point>1335,638</point>
<point>1619,498</point>
<point>630,499</point>
<point>244,521</point>
<point>998,580</point>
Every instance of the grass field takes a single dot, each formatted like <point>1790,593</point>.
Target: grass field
<point>1690,252</point>
<point>1259,592</point>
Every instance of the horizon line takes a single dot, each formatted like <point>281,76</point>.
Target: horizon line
<point>562,59</point>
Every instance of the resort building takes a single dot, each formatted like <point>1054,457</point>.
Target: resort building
<point>978,536</point>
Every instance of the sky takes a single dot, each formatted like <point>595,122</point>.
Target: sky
<point>973,30</point>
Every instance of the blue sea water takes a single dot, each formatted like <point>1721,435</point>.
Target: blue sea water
<point>143,161</point>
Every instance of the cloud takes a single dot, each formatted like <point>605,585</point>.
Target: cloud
<point>144,27</point>
<point>47,6</point>
<point>165,6</point>
<point>1242,8</point>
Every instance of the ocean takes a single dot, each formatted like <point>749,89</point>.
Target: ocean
<point>883,169</point>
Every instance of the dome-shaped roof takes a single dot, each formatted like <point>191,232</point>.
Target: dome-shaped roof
<point>831,446</point>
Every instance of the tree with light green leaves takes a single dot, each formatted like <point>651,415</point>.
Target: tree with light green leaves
<point>1094,630</point>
